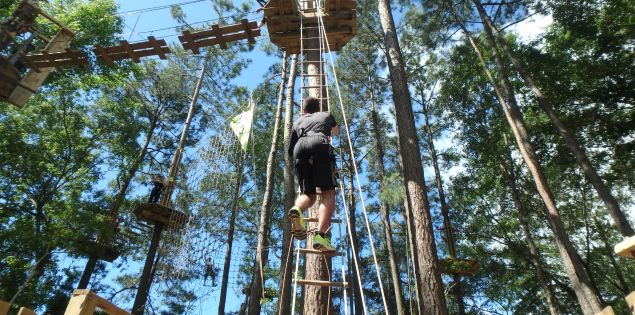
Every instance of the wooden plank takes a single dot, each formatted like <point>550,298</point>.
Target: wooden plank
<point>322,283</point>
<point>4,307</point>
<point>248,31</point>
<point>84,302</point>
<point>157,47</point>
<point>101,52</point>
<point>130,51</point>
<point>188,42</point>
<point>606,311</point>
<point>33,80</point>
<point>626,248</point>
<point>81,304</point>
<point>630,300</point>
<point>25,311</point>
<point>219,36</point>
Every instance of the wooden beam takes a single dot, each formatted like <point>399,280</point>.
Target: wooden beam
<point>606,311</point>
<point>84,302</point>
<point>248,31</point>
<point>219,36</point>
<point>626,248</point>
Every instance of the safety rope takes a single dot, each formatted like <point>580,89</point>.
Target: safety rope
<point>359,186</point>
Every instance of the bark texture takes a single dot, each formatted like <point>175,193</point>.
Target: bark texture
<point>432,293</point>
<point>286,276</point>
<point>262,251</point>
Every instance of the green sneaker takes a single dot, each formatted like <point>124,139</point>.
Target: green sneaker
<point>298,228</point>
<point>323,243</point>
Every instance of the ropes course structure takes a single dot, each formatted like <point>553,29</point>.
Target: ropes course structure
<point>319,33</point>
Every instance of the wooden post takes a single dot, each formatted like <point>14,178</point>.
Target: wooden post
<point>84,302</point>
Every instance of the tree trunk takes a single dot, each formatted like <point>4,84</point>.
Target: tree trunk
<point>445,212</point>
<point>432,292</point>
<point>383,208</point>
<point>230,235</point>
<point>117,200</point>
<point>284,294</point>
<point>523,218</point>
<point>138,308</point>
<point>572,262</point>
<point>262,251</point>
<point>356,294</point>
<point>619,218</point>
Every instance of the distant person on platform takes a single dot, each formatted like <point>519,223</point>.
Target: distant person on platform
<point>313,156</point>
<point>157,189</point>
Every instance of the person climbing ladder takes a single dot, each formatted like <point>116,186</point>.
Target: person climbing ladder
<point>313,156</point>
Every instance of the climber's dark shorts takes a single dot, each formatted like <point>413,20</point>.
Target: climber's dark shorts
<point>313,164</point>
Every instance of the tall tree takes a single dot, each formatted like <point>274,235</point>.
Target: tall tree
<point>578,275</point>
<point>619,218</point>
<point>262,252</point>
<point>415,188</point>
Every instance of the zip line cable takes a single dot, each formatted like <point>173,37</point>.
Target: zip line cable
<point>156,8</point>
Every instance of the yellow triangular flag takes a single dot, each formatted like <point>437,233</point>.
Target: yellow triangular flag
<point>241,125</point>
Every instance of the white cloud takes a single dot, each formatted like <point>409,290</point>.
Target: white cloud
<point>532,28</point>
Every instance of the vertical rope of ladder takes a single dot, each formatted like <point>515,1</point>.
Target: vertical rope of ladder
<point>302,84</point>
<point>357,180</point>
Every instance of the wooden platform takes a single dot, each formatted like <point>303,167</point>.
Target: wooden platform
<point>283,23</point>
<point>32,81</point>
<point>626,248</point>
<point>67,58</point>
<point>85,302</point>
<point>154,213</point>
<point>102,250</point>
<point>135,51</point>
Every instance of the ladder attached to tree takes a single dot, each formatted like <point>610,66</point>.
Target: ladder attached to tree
<point>314,83</point>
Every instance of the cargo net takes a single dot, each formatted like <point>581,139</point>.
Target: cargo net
<point>191,258</point>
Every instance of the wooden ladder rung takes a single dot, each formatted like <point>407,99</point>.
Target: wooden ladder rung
<point>313,86</point>
<point>322,283</point>
<point>316,219</point>
<point>318,252</point>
